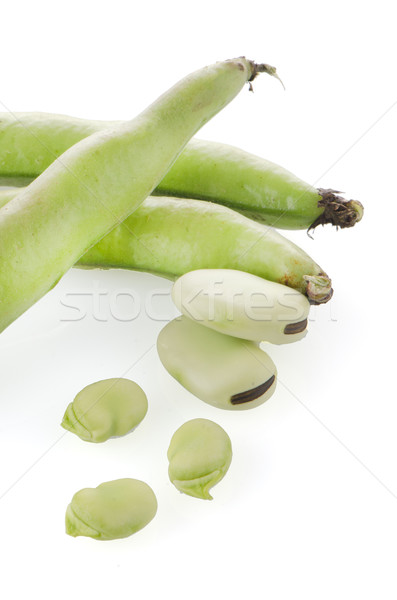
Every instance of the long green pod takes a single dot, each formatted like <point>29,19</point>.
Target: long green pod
<point>172,236</point>
<point>98,182</point>
<point>205,170</point>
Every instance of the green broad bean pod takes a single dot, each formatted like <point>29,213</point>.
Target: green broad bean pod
<point>174,236</point>
<point>254,186</point>
<point>99,181</point>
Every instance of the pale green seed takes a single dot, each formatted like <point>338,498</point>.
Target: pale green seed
<point>107,408</point>
<point>221,370</point>
<point>114,509</point>
<point>242,305</point>
<point>200,454</point>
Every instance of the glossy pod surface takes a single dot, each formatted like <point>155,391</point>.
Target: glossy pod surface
<point>30,142</point>
<point>114,509</point>
<point>242,305</point>
<point>221,370</point>
<point>199,455</point>
<point>174,236</point>
<point>99,181</point>
<point>264,191</point>
<point>107,408</point>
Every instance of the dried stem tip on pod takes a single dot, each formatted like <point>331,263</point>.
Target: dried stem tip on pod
<point>200,454</point>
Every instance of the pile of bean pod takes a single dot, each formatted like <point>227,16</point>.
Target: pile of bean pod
<point>141,195</point>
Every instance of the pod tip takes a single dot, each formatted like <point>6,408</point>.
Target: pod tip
<point>337,211</point>
<point>257,68</point>
<point>319,288</point>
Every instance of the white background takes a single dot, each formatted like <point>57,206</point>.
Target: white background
<point>308,509</point>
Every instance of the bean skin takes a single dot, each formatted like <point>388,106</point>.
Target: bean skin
<point>106,408</point>
<point>175,236</point>
<point>205,170</point>
<point>242,305</point>
<point>99,181</point>
<point>113,510</point>
<point>199,454</point>
<point>221,370</point>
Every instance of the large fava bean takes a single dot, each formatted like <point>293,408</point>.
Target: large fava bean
<point>222,370</point>
<point>99,181</point>
<point>107,408</point>
<point>199,454</point>
<point>115,509</point>
<point>242,305</point>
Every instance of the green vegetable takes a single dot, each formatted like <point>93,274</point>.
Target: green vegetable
<point>172,237</point>
<point>221,370</point>
<point>115,509</point>
<point>200,454</point>
<point>260,189</point>
<point>106,408</point>
<point>98,182</point>
<point>242,305</point>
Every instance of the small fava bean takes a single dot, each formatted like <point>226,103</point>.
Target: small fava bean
<point>114,509</point>
<point>221,370</point>
<point>199,454</point>
<point>111,407</point>
<point>242,305</point>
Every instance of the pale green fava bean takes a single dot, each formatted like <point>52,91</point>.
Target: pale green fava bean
<point>242,305</point>
<point>221,370</point>
<point>199,454</point>
<point>111,407</point>
<point>114,509</point>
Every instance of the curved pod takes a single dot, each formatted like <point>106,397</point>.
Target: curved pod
<point>260,189</point>
<point>175,236</point>
<point>99,181</point>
